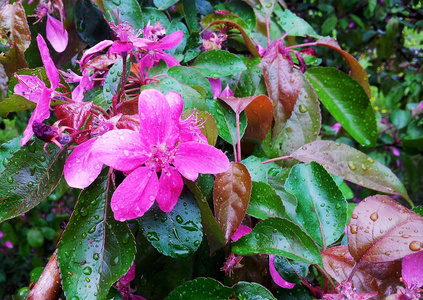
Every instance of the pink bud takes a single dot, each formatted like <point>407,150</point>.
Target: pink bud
<point>1,234</point>
<point>8,244</point>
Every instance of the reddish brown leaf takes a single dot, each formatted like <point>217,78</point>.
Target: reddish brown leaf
<point>382,230</point>
<point>49,285</point>
<point>357,71</point>
<point>260,117</point>
<point>13,25</point>
<point>231,196</point>
<point>283,84</point>
<point>369,277</point>
<point>13,61</point>
<point>73,115</point>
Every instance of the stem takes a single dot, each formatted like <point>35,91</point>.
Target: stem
<point>238,138</point>
<point>101,110</point>
<point>277,158</point>
<point>268,32</point>
<point>355,268</point>
<point>327,276</point>
<point>302,45</point>
<point>122,86</point>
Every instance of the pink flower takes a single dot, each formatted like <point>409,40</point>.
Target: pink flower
<point>346,291</point>
<point>1,234</point>
<point>35,90</point>
<point>56,34</point>
<point>157,147</point>
<point>8,244</point>
<point>336,127</point>
<point>124,287</point>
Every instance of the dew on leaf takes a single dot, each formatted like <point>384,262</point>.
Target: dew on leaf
<point>353,229</point>
<point>374,216</point>
<point>415,246</point>
<point>96,256</point>
<point>351,165</point>
<point>10,179</point>
<point>153,236</point>
<point>87,270</point>
<point>42,158</point>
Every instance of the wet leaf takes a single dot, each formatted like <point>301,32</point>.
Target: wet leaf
<point>251,291</point>
<point>226,120</point>
<point>241,9</point>
<point>95,249</point>
<point>191,77</point>
<point>177,233</point>
<point>213,233</point>
<point>129,11</point>
<point>357,71</point>
<point>73,115</point>
<point>7,149</point>
<point>13,24</point>
<point>295,26</point>
<point>113,81</point>
<point>268,6</point>
<point>283,84</point>
<point>304,124</point>
<point>190,14</point>
<point>257,169</point>
<point>15,103</point>
<point>217,63</point>
<point>369,277</point>
<point>164,4</point>
<point>291,271</point>
<point>346,101</point>
<point>352,165</point>
<point>383,230</point>
<point>231,196</point>
<point>208,127</point>
<point>29,177</point>
<point>260,118</point>
<point>264,202</point>
<point>280,237</point>
<point>13,61</point>
<point>322,209</point>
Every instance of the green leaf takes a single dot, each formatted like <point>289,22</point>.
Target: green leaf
<point>257,169</point>
<point>164,4</point>
<point>231,196</point>
<point>217,63</point>
<point>177,233</point>
<point>251,291</point>
<point>113,81</point>
<point>322,209</point>
<point>295,26</point>
<point>190,14</point>
<point>95,249</point>
<point>207,20</point>
<point>90,23</point>
<point>241,9</point>
<point>264,202</point>
<point>291,271</point>
<point>191,77</point>
<point>280,237</point>
<point>329,24</point>
<point>7,149</point>
<point>346,101</point>
<point>400,118</point>
<point>154,15</point>
<point>226,120</point>
<point>29,177</point>
<point>129,11</point>
<point>352,165</point>
<point>35,238</point>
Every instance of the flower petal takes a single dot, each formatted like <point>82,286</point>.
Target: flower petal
<point>176,104</point>
<point>277,278</point>
<point>172,40</point>
<point>240,232</point>
<point>155,125</point>
<point>169,59</point>
<point>121,149</point>
<point>82,167</point>
<point>51,70</point>
<point>216,86</point>
<point>412,273</point>
<point>93,50</point>
<point>170,186</point>
<point>192,158</point>
<point>135,195</point>
<point>56,34</point>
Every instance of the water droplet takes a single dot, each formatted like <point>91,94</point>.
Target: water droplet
<point>353,229</point>
<point>10,179</point>
<point>387,253</point>
<point>338,205</point>
<point>179,219</point>
<point>87,279</point>
<point>125,238</point>
<point>406,236</point>
<point>75,298</point>
<point>42,158</point>
<point>84,235</point>
<point>96,256</point>
<point>84,212</point>
<point>67,254</point>
<point>303,108</point>
<point>153,236</point>
<point>115,261</point>
<point>92,229</point>
<point>374,216</point>
<point>415,246</point>
<point>351,165</point>
<point>87,270</point>
<point>354,216</point>
<point>364,167</point>
<point>32,170</point>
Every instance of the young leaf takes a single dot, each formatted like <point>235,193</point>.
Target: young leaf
<point>217,63</point>
<point>295,26</point>
<point>383,230</point>
<point>231,196</point>
<point>352,165</point>
<point>346,101</point>
<point>73,115</point>
<point>177,233</point>
<point>279,237</point>
<point>29,177</point>
<point>322,209</point>
<point>260,118</point>
<point>95,249</point>
<point>369,277</point>
<point>264,202</point>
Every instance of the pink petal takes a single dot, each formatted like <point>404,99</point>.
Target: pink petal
<point>170,186</point>
<point>238,104</point>
<point>56,34</point>
<point>176,104</point>
<point>93,50</point>
<point>30,87</point>
<point>240,232</point>
<point>155,125</point>
<point>227,92</point>
<point>277,278</point>
<point>8,244</point>
<point>135,195</point>
<point>51,70</point>
<point>192,158</point>
<point>172,40</point>
<point>129,276</point>
<point>1,234</point>
<point>121,149</point>
<point>120,47</point>
<point>82,167</point>
<point>216,86</point>
<point>412,272</point>
<point>169,59</point>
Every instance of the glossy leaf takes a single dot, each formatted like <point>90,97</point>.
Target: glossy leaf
<point>213,233</point>
<point>346,101</point>
<point>241,9</point>
<point>357,71</point>
<point>164,4</point>
<point>257,169</point>
<point>13,61</point>
<point>291,271</point>
<point>304,124</point>
<point>73,115</point>
<point>226,120</point>
<point>260,118</point>
<point>190,14</point>
<point>352,165</point>
<point>95,249</point>
<point>322,209</point>
<point>191,77</point>
<point>13,22</point>
<point>369,277</point>
<point>283,84</point>
<point>295,26</point>
<point>129,11</point>
<point>268,6</point>
<point>279,237</point>
<point>29,177</point>
<point>177,233</point>
<point>251,291</point>
<point>231,196</point>
<point>7,149</point>
<point>113,81</point>
<point>217,63</point>
<point>154,15</point>
<point>264,202</point>
<point>383,230</point>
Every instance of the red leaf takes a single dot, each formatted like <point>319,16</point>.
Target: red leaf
<point>231,196</point>
<point>382,230</point>
<point>73,114</point>
<point>260,117</point>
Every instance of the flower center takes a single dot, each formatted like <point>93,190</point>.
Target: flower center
<point>162,156</point>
